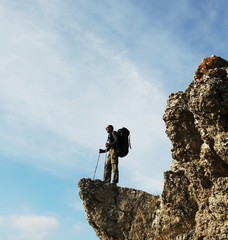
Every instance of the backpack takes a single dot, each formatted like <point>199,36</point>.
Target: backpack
<point>124,141</point>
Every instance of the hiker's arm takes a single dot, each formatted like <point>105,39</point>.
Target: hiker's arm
<point>102,150</point>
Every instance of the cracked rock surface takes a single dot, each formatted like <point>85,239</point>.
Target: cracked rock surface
<point>117,213</point>
<point>193,204</point>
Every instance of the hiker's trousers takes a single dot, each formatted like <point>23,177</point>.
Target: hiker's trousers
<point>111,167</point>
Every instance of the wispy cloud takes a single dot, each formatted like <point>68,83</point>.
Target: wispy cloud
<point>26,227</point>
<point>50,105</point>
<point>71,68</point>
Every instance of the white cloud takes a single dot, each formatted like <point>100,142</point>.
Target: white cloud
<point>66,76</point>
<point>55,107</point>
<point>27,227</point>
<point>49,104</point>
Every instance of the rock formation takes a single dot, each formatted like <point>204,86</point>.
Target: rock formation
<point>194,201</point>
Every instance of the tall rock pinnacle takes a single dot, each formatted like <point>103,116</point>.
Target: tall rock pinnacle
<point>194,201</point>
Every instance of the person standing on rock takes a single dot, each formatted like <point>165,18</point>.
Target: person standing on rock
<point>111,162</point>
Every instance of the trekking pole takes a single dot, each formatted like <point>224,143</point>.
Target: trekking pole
<point>96,166</point>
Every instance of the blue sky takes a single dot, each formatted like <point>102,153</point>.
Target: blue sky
<point>67,69</point>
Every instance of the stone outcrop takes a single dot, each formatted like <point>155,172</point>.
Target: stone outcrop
<point>118,213</point>
<point>194,201</point>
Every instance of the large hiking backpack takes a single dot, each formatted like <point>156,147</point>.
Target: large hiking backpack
<point>124,141</point>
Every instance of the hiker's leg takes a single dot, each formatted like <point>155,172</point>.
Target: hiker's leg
<point>114,162</point>
<point>107,169</point>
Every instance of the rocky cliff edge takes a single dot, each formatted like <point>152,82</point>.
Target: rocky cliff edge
<point>193,204</point>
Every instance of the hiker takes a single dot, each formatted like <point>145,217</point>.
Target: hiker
<point>111,162</point>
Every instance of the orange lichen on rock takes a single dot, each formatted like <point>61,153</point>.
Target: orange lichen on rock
<point>210,63</point>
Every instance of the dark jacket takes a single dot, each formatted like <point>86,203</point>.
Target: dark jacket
<point>112,140</point>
